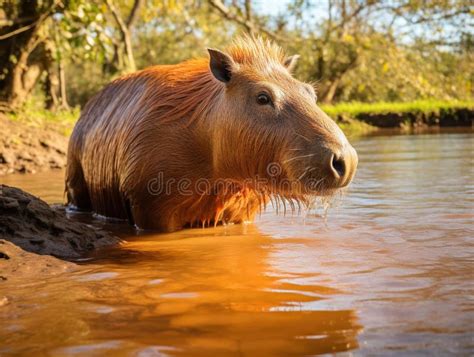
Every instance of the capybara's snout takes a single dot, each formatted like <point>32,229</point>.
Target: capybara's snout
<point>325,160</point>
<point>340,166</point>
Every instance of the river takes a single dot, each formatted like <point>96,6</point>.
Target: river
<point>387,270</point>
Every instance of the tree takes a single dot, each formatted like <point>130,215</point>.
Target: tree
<point>123,59</point>
<point>23,55</point>
<point>35,37</point>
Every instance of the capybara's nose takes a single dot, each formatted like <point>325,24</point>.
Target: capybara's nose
<point>342,165</point>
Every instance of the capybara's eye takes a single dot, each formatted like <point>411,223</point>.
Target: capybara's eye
<point>263,99</point>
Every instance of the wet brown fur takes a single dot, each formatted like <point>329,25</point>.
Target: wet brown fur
<point>180,122</point>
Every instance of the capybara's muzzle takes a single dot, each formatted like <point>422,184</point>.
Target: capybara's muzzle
<point>341,166</point>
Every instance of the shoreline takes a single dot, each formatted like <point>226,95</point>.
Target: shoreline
<point>410,116</point>
<point>38,239</point>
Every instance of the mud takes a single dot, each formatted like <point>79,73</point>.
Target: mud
<point>33,225</point>
<point>28,149</point>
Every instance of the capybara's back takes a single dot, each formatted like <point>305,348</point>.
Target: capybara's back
<point>183,145</point>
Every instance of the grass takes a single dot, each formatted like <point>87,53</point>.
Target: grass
<point>354,127</point>
<point>33,114</point>
<point>352,109</point>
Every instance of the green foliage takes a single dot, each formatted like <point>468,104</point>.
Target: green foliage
<point>180,32</point>
<point>33,114</point>
<point>353,128</point>
<point>352,109</point>
<point>80,31</point>
<point>84,79</point>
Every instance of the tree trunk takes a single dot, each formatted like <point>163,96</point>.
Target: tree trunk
<point>125,28</point>
<point>131,66</point>
<point>24,75</point>
<point>52,80</point>
<point>62,85</point>
<point>17,77</point>
<point>21,56</point>
<point>328,95</point>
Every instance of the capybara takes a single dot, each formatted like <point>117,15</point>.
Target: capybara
<point>206,141</point>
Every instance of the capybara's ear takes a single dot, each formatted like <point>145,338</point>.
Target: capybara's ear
<point>221,65</point>
<point>290,62</point>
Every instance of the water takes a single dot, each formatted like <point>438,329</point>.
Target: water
<point>390,271</point>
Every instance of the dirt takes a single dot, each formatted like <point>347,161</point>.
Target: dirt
<point>17,264</point>
<point>33,225</point>
<point>27,149</point>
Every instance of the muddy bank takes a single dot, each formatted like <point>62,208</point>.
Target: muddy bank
<point>34,226</point>
<point>17,264</point>
<point>28,149</point>
<point>454,117</point>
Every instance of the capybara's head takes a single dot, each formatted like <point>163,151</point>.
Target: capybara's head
<point>268,125</point>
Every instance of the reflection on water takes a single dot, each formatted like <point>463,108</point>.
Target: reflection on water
<point>390,271</point>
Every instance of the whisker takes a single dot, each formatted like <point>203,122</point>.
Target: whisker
<point>304,173</point>
<point>318,184</point>
<point>298,157</point>
<point>307,171</point>
<point>304,137</point>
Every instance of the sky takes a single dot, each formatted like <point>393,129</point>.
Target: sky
<point>270,7</point>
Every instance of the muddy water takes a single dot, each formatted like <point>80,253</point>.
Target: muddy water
<point>389,271</point>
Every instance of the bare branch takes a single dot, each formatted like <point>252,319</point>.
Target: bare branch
<point>137,4</point>
<point>118,18</point>
<point>247,23</point>
<point>38,22</point>
<point>347,18</point>
<point>125,32</point>
<point>19,30</point>
<point>225,11</point>
<point>248,10</point>
<point>433,18</point>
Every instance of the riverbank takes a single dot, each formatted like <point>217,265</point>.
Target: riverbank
<point>33,139</point>
<point>418,114</point>
<point>35,226</point>
<point>31,229</point>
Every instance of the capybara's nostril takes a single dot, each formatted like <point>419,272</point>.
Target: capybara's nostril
<point>343,165</point>
<point>338,165</point>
